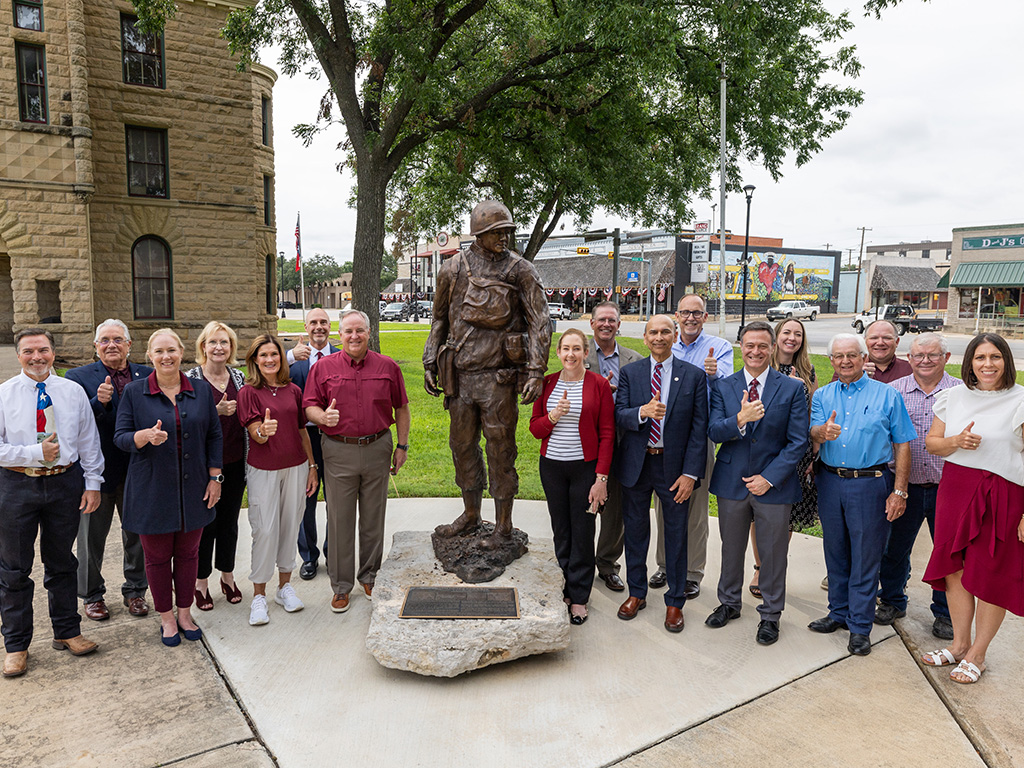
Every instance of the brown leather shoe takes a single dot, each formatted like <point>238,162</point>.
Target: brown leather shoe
<point>368,590</point>
<point>674,619</point>
<point>629,608</point>
<point>339,603</point>
<point>78,646</point>
<point>15,663</point>
<point>136,606</point>
<point>97,611</point>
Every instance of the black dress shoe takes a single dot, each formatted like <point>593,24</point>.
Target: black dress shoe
<point>860,645</point>
<point>691,590</point>
<point>721,616</point>
<point>825,625</point>
<point>613,582</point>
<point>658,580</point>
<point>767,632</point>
<point>308,570</point>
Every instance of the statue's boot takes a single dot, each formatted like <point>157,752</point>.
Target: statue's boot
<point>502,525</point>
<point>468,520</point>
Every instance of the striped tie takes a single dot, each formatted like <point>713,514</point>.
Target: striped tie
<point>656,393</point>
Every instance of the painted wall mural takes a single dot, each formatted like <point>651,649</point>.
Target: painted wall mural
<point>774,276</point>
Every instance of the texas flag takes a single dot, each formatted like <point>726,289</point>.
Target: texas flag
<point>298,244</point>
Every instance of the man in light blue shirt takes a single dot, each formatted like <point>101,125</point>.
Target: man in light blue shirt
<point>713,355</point>
<point>861,425</point>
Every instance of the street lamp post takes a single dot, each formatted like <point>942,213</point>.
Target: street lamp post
<point>749,192</point>
<point>280,256</point>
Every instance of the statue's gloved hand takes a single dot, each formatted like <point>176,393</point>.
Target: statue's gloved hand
<point>532,389</point>
<point>430,383</point>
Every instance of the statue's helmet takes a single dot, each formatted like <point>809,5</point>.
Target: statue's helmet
<point>488,215</point>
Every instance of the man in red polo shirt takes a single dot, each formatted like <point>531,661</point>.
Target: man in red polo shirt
<point>355,397</point>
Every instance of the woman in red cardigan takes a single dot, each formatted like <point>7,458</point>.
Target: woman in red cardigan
<point>575,419</point>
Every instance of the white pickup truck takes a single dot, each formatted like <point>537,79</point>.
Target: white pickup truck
<point>797,309</point>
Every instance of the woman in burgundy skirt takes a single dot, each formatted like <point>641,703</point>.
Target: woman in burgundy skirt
<point>978,558</point>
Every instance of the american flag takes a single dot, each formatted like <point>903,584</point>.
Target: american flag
<point>298,245</point>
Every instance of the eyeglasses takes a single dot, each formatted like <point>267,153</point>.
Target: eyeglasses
<point>931,356</point>
<point>218,343</point>
<point>847,356</point>
<point>690,312</point>
<point>107,342</point>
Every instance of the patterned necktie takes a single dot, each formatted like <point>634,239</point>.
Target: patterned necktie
<point>45,421</point>
<point>754,397</point>
<point>656,393</point>
<point>319,354</point>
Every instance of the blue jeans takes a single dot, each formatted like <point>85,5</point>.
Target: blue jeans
<point>895,571</point>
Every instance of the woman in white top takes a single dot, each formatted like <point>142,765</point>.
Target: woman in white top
<point>978,558</point>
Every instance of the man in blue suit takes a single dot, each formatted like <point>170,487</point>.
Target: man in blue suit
<point>103,382</point>
<point>661,411</point>
<point>318,327</point>
<point>761,419</point>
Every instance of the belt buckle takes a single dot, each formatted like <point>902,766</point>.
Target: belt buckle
<point>33,472</point>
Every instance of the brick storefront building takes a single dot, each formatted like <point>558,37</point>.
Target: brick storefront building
<point>136,174</point>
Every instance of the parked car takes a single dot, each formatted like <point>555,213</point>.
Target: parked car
<point>903,316</point>
<point>286,305</point>
<point>425,308</point>
<point>396,310</point>
<point>382,306</point>
<point>797,309</point>
<point>559,311</point>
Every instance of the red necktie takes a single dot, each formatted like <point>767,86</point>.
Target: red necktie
<point>656,392</point>
<point>753,391</point>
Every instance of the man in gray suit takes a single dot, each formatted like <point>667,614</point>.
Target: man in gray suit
<point>607,357</point>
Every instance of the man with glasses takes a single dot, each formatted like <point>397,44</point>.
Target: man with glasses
<point>103,382</point>
<point>882,339</point>
<point>607,358</point>
<point>861,425</point>
<point>712,355</point>
<point>929,354</point>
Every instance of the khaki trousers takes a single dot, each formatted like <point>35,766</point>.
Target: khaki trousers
<point>277,499</point>
<point>355,476</point>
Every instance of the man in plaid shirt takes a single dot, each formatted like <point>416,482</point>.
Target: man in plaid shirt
<point>928,356</point>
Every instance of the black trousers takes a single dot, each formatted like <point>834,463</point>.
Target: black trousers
<point>308,550</point>
<point>49,506</point>
<point>567,488</point>
<point>222,533</point>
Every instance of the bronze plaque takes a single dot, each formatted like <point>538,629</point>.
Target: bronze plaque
<point>460,603</point>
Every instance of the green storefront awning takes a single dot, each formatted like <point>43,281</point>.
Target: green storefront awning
<point>988,274</point>
<point>944,280</point>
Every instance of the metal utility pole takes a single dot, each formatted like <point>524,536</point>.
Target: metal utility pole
<point>616,242</point>
<point>749,192</point>
<point>860,262</point>
<point>849,256</point>
<point>721,194</point>
<point>280,255</point>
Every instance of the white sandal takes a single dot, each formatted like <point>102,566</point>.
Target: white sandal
<point>942,658</point>
<point>968,670</point>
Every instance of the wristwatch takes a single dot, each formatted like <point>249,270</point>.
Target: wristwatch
<point>401,447</point>
<point>219,478</point>
<point>901,494</point>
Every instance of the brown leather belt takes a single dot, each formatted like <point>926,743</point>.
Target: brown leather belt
<point>875,471</point>
<point>41,471</point>
<point>655,451</point>
<point>366,440</point>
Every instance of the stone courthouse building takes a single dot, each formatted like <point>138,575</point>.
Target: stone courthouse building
<point>136,174</point>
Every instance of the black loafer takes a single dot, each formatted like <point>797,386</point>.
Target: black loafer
<point>942,628</point>
<point>307,571</point>
<point>886,614</point>
<point>691,590</point>
<point>658,580</point>
<point>721,616</point>
<point>860,645</point>
<point>826,625</point>
<point>613,582</point>
<point>767,632</point>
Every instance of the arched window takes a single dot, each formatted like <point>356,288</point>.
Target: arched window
<point>151,279</point>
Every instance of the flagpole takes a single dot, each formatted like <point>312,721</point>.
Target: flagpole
<point>299,266</point>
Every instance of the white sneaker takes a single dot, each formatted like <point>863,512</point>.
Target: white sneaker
<point>286,596</point>
<point>258,611</point>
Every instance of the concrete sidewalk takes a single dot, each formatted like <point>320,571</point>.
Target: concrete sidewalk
<point>303,691</point>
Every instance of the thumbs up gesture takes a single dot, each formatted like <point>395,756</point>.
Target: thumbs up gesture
<point>711,363</point>
<point>749,411</point>
<point>51,450</point>
<point>155,435</point>
<point>331,415</point>
<point>561,407</point>
<point>967,439</point>
<point>226,407</point>
<point>832,430</point>
<point>105,391</point>
<point>269,426</point>
<point>655,409</point>
<point>301,350</point>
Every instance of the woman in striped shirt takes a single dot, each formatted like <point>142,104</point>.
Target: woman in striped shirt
<point>575,420</point>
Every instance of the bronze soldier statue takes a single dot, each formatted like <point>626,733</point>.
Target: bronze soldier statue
<point>488,343</point>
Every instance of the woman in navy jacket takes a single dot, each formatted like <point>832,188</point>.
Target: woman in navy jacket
<point>169,426</point>
<point>575,419</point>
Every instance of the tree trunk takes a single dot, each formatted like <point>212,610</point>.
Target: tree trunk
<point>368,251</point>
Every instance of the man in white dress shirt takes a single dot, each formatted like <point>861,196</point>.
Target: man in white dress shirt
<point>51,470</point>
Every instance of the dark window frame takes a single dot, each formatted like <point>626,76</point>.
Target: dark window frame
<point>37,4</point>
<point>159,57</point>
<point>129,163</point>
<point>23,84</point>
<point>149,280</point>
<point>270,266</point>
<point>265,119</point>
<point>268,192</point>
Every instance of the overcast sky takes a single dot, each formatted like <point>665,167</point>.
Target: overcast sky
<point>935,145</point>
